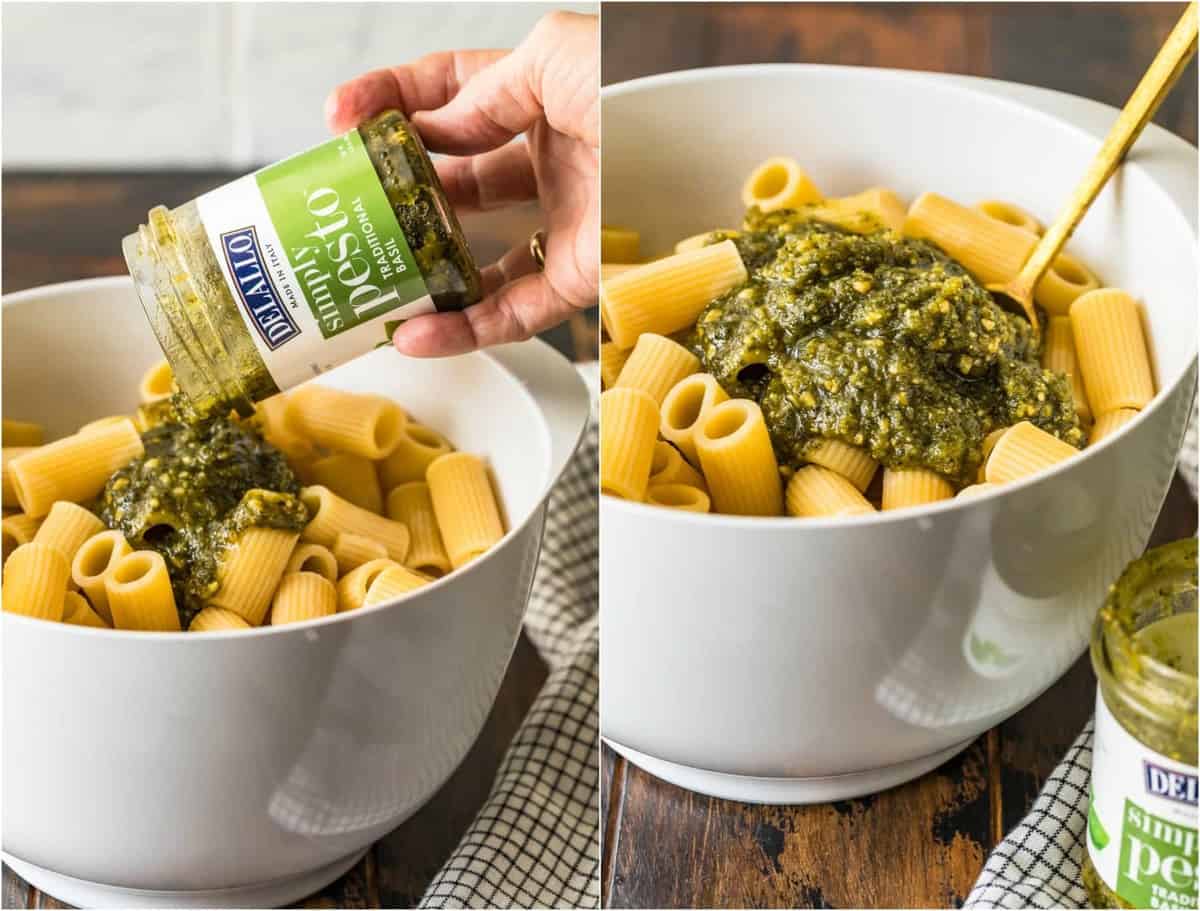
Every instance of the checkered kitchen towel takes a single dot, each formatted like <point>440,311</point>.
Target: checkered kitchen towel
<point>1038,864</point>
<point>536,841</point>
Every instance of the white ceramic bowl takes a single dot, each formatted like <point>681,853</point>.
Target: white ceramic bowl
<point>786,661</point>
<point>259,763</point>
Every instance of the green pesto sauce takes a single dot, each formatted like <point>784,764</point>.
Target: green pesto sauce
<point>876,340</point>
<point>193,492</point>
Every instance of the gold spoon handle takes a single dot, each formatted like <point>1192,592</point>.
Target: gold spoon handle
<point>1167,67</point>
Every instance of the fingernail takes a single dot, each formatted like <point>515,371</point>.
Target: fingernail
<point>331,106</point>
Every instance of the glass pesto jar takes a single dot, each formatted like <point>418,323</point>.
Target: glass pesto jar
<point>288,272</point>
<point>1141,839</point>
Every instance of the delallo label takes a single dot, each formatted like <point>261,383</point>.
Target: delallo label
<point>1142,821</point>
<point>313,255</point>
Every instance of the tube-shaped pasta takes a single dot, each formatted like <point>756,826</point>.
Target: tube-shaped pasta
<point>668,294</point>
<point>352,551</point>
<point>66,527</point>
<point>412,504</point>
<point>103,422</point>
<point>250,569</point>
<point>612,359</point>
<point>818,491</point>
<point>1010,214</point>
<point>158,383</point>
<point>313,558</point>
<point>352,587</point>
<point>74,468</point>
<point>213,619</point>
<point>628,429</point>
<point>685,406</point>
<point>852,463</point>
<point>270,414</point>
<point>863,212</point>
<point>1065,281</point>
<point>696,241</point>
<point>332,516</point>
<point>17,530</point>
<point>655,365</point>
<point>1109,423</point>
<point>738,461</point>
<point>8,493</point>
<point>1111,349</point>
<point>35,582</point>
<point>468,515</point>
<point>913,487</point>
<point>78,612</point>
<point>991,250</point>
<point>608,270</point>
<point>351,477</point>
<point>418,447</point>
<point>685,497</point>
<point>366,425</point>
<point>303,596</point>
<point>779,183</point>
<point>1024,450</point>
<point>93,563</point>
<point>619,245</point>
<point>392,583</point>
<point>669,467</point>
<point>974,490</point>
<point>1058,354</point>
<point>139,593</point>
<point>989,443</point>
<point>22,433</point>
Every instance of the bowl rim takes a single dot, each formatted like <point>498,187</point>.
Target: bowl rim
<point>953,83</point>
<point>554,474</point>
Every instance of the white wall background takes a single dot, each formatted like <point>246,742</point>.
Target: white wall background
<point>139,86</point>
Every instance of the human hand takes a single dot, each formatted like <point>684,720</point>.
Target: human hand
<point>471,104</point>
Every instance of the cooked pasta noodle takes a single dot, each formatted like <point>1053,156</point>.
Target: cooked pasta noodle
<point>213,619</point>
<point>270,415</point>
<point>779,183</point>
<point>250,569</point>
<point>628,430</point>
<point>974,490</point>
<point>392,583</point>
<point>1109,423</point>
<point>989,443</point>
<point>850,462</point>
<point>331,516</point>
<point>990,250</point>
<point>158,383</point>
<point>608,270</point>
<point>139,593</point>
<point>1058,354</point>
<point>22,433</point>
<point>93,563</point>
<point>74,468</point>
<point>468,515</point>
<point>366,425</point>
<point>313,558</point>
<point>8,493</point>
<point>78,612</point>
<point>351,477</point>
<point>913,487</point>
<point>738,461</point>
<point>101,423</point>
<point>696,241</point>
<point>655,365</point>
<point>685,406</point>
<point>352,587</point>
<point>303,596</point>
<point>1023,450</point>
<point>669,467</point>
<point>612,359</point>
<point>667,295</point>
<point>1010,214</point>
<point>35,582</point>
<point>817,491</point>
<point>685,497</point>
<point>863,212</point>
<point>1112,350</point>
<point>18,529</point>
<point>66,527</point>
<point>418,447</point>
<point>1066,280</point>
<point>412,504</point>
<point>352,551</point>
<point>619,245</point>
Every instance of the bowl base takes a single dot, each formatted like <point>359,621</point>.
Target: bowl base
<point>86,894</point>
<point>749,789</point>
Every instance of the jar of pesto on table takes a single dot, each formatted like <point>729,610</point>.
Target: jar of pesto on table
<point>1141,841</point>
<point>288,272</point>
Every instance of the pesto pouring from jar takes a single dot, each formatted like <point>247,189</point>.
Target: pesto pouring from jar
<point>286,273</point>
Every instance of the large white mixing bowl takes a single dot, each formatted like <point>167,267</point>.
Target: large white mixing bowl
<point>793,661</point>
<point>249,769</point>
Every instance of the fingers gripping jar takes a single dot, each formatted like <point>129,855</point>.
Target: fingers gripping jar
<point>288,272</point>
<point>1141,832</point>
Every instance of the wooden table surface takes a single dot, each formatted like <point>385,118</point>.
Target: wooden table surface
<point>922,844</point>
<point>61,227</point>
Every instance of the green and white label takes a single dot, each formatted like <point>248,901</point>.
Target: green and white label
<point>1142,819</point>
<point>314,258</point>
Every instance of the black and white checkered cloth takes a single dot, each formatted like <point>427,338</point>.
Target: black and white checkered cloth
<point>535,843</point>
<point>1038,864</point>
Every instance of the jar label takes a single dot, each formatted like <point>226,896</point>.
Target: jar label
<point>1141,819</point>
<point>314,257</point>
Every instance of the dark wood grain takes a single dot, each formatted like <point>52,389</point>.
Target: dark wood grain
<point>923,844</point>
<point>14,891</point>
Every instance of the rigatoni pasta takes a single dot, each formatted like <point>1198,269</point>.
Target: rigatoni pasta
<point>66,527</point>
<point>303,596</point>
<point>366,425</point>
<point>738,461</point>
<point>78,612</point>
<point>412,504</point>
<point>1010,214</point>
<point>913,487</point>
<point>686,497</point>
<point>1109,423</point>
<point>332,516</point>
<point>628,430</point>
<point>818,491</point>
<point>313,558</point>
<point>850,462</point>
<point>992,250</point>
<point>667,466</point>
<point>685,406</point>
<point>35,582</point>
<point>1112,350</point>
<point>1065,281</point>
<point>655,365</point>
<point>1058,354</point>
<point>1023,450</point>
<point>418,447</point>
<point>612,359</point>
<point>250,571</point>
<point>468,515</point>
<point>393,582</point>
<point>215,619</point>
<point>863,212</point>
<point>92,565</point>
<point>8,493</point>
<point>351,477</point>
<point>158,383</point>
<point>352,551</point>
<point>779,183</point>
<point>139,593</point>
<point>18,529</point>
<point>352,587</point>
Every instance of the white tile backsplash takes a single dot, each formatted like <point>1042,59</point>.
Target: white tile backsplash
<point>137,86</point>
